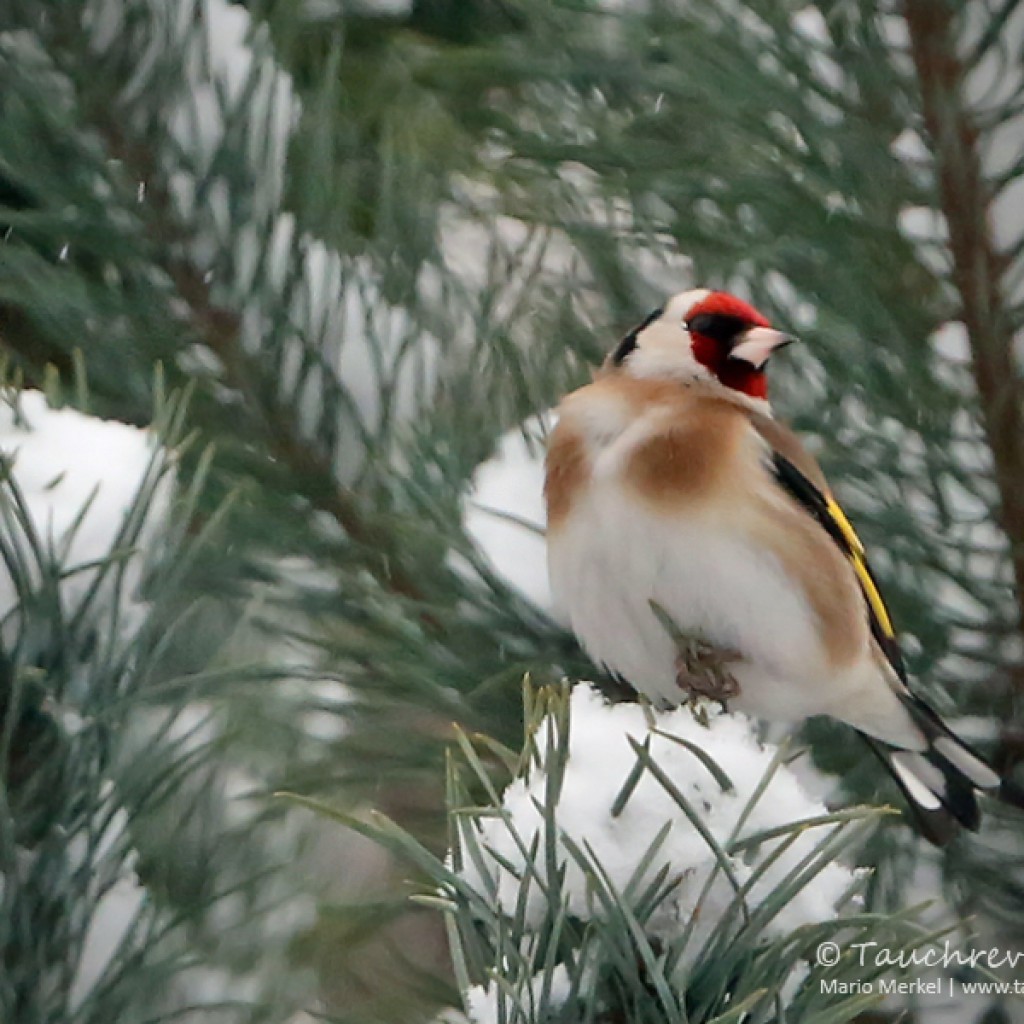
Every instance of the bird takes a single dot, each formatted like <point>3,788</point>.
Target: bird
<point>696,549</point>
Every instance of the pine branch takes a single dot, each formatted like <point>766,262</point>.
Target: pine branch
<point>965,199</point>
<point>220,330</point>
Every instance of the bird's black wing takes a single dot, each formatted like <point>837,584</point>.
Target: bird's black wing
<point>826,510</point>
<point>952,770</point>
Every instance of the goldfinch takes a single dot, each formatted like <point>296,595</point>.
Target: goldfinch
<point>694,547</point>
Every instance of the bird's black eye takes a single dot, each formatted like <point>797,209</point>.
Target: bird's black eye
<point>629,342</point>
<point>717,326</point>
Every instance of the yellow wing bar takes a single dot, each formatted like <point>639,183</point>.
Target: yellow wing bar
<point>867,581</point>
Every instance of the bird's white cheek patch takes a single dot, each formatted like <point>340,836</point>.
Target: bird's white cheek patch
<point>664,352</point>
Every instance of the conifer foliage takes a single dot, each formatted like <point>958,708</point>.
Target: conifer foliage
<point>275,278</point>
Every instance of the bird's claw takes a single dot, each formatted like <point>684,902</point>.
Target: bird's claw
<point>702,671</point>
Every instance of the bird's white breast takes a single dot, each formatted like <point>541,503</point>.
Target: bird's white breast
<point>615,553</point>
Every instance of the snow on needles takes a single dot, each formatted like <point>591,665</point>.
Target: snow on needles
<point>483,1003</point>
<point>339,348</point>
<point>599,762</point>
<point>80,477</point>
<point>504,510</point>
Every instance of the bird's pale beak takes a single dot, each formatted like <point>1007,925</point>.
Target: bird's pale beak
<point>757,344</point>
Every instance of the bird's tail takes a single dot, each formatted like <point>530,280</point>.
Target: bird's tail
<point>942,781</point>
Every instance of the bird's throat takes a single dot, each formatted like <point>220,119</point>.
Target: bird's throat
<point>745,378</point>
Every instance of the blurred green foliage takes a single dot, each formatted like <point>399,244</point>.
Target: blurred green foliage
<point>478,197</point>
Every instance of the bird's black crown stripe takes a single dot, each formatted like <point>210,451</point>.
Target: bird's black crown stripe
<point>628,343</point>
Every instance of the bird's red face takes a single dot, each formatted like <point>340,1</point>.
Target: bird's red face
<point>722,328</point>
<point>701,334</point>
